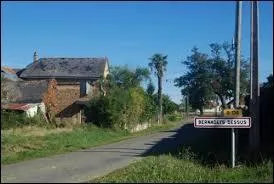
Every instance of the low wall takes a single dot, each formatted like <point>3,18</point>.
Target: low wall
<point>141,126</point>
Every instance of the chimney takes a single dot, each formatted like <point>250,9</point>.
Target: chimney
<point>35,57</point>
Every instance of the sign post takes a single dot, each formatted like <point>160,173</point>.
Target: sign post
<point>232,119</point>
<point>233,155</point>
<point>222,122</point>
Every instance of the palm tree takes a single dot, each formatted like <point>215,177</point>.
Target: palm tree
<point>158,65</point>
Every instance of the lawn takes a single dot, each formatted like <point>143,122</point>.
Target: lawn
<point>31,142</point>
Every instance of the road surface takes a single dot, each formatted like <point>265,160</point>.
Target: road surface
<point>85,165</point>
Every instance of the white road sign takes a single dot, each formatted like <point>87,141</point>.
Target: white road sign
<point>222,122</point>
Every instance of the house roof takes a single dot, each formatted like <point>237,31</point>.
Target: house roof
<point>9,73</point>
<point>17,69</point>
<point>16,106</point>
<point>25,91</point>
<point>85,68</point>
<point>7,70</point>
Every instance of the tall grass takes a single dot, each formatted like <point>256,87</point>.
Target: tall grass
<point>184,168</point>
<point>10,119</point>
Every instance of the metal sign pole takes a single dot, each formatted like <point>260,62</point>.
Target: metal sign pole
<point>233,147</point>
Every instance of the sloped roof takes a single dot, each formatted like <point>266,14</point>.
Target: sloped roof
<point>86,68</point>
<point>9,73</point>
<point>17,69</point>
<point>7,70</point>
<point>15,106</point>
<point>25,91</point>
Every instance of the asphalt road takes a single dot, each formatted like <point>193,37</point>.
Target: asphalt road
<point>85,165</point>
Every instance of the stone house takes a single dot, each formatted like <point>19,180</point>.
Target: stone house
<point>75,78</point>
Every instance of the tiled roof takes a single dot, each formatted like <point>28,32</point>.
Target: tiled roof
<point>26,91</point>
<point>16,106</point>
<point>86,68</point>
<point>9,73</point>
<point>7,70</point>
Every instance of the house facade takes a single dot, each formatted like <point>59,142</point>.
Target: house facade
<point>76,78</point>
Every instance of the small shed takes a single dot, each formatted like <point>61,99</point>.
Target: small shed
<point>31,109</point>
<point>24,96</point>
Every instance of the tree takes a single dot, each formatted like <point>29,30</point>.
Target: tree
<point>223,72</point>
<point>125,104</point>
<point>195,81</point>
<point>126,78</point>
<point>214,74</point>
<point>269,83</point>
<point>150,88</point>
<point>158,64</point>
<point>169,106</point>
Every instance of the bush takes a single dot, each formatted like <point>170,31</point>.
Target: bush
<point>172,117</point>
<point>120,108</point>
<point>10,119</point>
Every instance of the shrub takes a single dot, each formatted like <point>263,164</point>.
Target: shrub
<point>11,119</point>
<point>172,117</point>
<point>120,108</point>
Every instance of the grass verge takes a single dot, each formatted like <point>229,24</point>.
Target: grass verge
<point>201,155</point>
<point>33,142</point>
<point>169,169</point>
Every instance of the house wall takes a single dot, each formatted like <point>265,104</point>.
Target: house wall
<point>106,71</point>
<point>68,91</point>
<point>33,110</point>
<point>67,110</point>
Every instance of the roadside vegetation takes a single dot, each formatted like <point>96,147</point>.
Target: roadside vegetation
<point>205,156</point>
<point>169,169</point>
<point>29,142</point>
<point>202,158</point>
<point>119,104</point>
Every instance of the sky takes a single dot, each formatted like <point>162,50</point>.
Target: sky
<point>129,33</point>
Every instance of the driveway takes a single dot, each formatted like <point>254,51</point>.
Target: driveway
<point>84,165</point>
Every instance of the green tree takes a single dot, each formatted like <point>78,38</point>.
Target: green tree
<point>214,74</point>
<point>158,64</point>
<point>150,88</point>
<point>195,81</point>
<point>223,72</point>
<point>126,78</point>
<point>269,83</point>
<point>169,106</point>
<point>125,103</point>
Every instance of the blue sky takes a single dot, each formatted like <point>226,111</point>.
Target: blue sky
<point>128,33</point>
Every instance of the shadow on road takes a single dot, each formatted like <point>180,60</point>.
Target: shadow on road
<point>209,145</point>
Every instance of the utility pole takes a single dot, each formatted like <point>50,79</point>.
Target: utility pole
<point>238,30</point>
<point>254,134</point>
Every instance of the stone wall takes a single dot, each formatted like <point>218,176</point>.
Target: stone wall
<point>141,126</point>
<point>67,110</point>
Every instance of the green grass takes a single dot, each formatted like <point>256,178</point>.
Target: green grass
<point>168,168</point>
<point>34,142</point>
<point>206,160</point>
